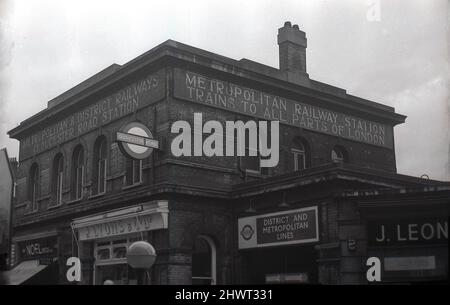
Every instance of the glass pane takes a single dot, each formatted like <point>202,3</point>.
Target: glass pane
<point>103,254</point>
<point>337,155</point>
<point>299,161</point>
<point>120,252</point>
<point>79,182</point>
<point>59,188</point>
<point>101,176</point>
<point>136,171</point>
<point>129,171</point>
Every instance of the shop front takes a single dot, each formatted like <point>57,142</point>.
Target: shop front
<point>37,259</point>
<point>104,239</point>
<point>278,248</point>
<point>410,249</point>
<point>408,233</point>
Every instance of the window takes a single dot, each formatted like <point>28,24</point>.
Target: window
<point>338,154</point>
<point>34,187</point>
<point>133,171</point>
<point>111,262</point>
<point>204,261</point>
<point>300,154</point>
<point>57,179</point>
<point>77,172</point>
<point>99,166</point>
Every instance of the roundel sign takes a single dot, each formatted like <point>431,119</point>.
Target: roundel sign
<point>136,141</point>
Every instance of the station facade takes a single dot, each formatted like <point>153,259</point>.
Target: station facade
<point>333,200</point>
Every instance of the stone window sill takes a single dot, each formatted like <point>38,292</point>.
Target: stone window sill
<point>50,207</point>
<point>97,195</point>
<point>31,212</point>
<point>74,201</point>
<point>126,187</point>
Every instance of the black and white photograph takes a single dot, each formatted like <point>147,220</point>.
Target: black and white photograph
<point>225,143</point>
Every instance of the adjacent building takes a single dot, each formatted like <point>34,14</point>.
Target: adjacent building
<point>333,200</point>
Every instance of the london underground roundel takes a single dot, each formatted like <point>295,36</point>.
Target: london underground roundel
<point>136,141</point>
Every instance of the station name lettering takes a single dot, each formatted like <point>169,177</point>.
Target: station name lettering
<point>115,106</point>
<point>287,227</point>
<point>255,103</point>
<point>284,226</point>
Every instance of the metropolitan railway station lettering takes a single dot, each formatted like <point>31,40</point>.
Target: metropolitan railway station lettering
<point>224,95</point>
<point>123,102</point>
<point>212,92</point>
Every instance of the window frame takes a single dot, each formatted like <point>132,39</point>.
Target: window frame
<point>339,150</point>
<point>78,161</point>
<point>130,163</point>
<point>296,153</point>
<point>99,166</point>
<point>57,180</point>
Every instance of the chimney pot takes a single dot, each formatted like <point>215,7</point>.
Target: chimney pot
<point>287,24</point>
<point>296,26</point>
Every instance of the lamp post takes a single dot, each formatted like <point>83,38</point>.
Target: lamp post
<point>141,256</point>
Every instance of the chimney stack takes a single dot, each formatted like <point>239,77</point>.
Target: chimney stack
<point>292,46</point>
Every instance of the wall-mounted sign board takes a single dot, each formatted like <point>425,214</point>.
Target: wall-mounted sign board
<point>280,228</point>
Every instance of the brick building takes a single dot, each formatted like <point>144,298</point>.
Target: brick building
<point>333,200</point>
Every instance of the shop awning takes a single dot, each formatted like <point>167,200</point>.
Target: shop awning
<point>23,272</point>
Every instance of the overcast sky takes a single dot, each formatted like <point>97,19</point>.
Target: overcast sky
<point>397,55</point>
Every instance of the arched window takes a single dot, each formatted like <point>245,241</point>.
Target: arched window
<point>204,267</point>
<point>99,166</point>
<point>57,178</point>
<point>300,153</point>
<point>34,186</point>
<point>77,172</point>
<point>133,171</point>
<point>339,154</point>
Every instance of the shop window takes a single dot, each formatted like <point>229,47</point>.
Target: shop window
<point>57,178</point>
<point>77,172</point>
<point>133,171</point>
<point>204,261</point>
<point>34,186</point>
<point>339,154</point>
<point>119,252</point>
<point>111,262</point>
<point>300,154</point>
<point>99,166</point>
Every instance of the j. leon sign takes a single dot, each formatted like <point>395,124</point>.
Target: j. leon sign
<point>423,231</point>
<point>280,228</point>
<point>121,103</point>
<point>232,97</point>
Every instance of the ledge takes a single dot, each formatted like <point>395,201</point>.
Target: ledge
<point>73,201</point>
<point>126,187</point>
<point>54,206</point>
<point>96,195</point>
